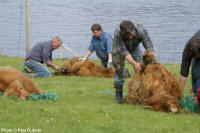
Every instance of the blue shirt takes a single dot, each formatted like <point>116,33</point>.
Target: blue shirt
<point>41,52</point>
<point>102,45</point>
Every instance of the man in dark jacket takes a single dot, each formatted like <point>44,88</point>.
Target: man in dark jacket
<point>126,47</point>
<point>42,53</point>
<point>191,55</point>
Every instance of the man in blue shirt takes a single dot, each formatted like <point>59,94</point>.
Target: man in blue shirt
<point>42,53</point>
<point>101,42</point>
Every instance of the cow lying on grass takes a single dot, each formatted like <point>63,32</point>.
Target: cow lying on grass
<point>14,83</point>
<point>88,68</point>
<point>155,87</point>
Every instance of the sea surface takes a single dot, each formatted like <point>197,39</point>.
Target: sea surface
<point>170,23</point>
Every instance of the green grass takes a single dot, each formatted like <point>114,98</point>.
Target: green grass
<point>82,109</point>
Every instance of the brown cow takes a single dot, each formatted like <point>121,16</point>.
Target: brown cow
<point>88,68</point>
<point>155,87</point>
<point>14,83</point>
<point>74,67</point>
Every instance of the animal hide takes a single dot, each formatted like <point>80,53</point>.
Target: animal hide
<point>155,87</point>
<point>14,83</point>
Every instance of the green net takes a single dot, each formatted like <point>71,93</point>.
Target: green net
<point>44,96</point>
<point>1,93</point>
<point>188,103</point>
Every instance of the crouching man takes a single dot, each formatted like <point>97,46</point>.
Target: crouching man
<point>42,53</point>
<point>126,47</point>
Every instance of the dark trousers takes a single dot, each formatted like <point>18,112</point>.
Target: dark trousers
<point>195,75</point>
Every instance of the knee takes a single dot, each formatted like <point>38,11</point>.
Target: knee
<point>118,80</point>
<point>48,74</point>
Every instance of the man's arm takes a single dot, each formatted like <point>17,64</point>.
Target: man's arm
<point>88,53</point>
<point>52,65</point>
<point>109,42</point>
<point>109,61</point>
<point>186,60</point>
<point>135,64</point>
<point>182,81</point>
<point>110,56</point>
<point>146,41</point>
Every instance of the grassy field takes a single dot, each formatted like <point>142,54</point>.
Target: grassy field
<point>81,108</point>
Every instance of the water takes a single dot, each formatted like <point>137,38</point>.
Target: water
<point>169,23</point>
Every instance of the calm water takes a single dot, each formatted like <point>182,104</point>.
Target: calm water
<point>170,23</point>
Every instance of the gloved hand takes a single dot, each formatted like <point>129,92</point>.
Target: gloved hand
<point>82,59</point>
<point>109,64</point>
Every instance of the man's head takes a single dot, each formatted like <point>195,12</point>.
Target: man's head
<point>96,30</point>
<point>195,48</point>
<point>56,42</point>
<point>127,29</point>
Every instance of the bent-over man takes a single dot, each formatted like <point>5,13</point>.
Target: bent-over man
<point>126,47</point>
<point>191,55</point>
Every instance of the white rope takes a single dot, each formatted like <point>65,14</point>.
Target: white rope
<point>70,50</point>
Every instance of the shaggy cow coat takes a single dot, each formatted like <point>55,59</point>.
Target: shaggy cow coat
<point>74,67</point>
<point>155,87</point>
<point>14,83</point>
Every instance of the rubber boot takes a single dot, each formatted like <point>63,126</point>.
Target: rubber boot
<point>119,94</point>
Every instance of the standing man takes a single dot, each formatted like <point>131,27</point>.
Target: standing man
<point>191,55</point>
<point>42,53</point>
<point>101,42</point>
<point>126,47</point>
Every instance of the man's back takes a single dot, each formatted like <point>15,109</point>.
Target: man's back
<point>41,52</point>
